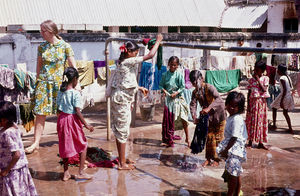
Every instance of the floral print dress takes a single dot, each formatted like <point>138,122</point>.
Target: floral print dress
<point>50,78</point>
<point>18,181</point>
<point>256,117</point>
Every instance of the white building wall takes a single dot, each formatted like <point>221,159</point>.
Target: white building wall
<point>275,16</point>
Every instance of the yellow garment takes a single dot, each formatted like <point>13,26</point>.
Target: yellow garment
<point>86,72</point>
<point>28,125</point>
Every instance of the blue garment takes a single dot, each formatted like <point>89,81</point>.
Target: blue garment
<point>69,100</point>
<point>146,74</point>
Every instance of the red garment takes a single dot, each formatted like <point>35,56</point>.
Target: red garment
<point>271,73</point>
<point>145,41</point>
<point>71,139</point>
<point>256,120</point>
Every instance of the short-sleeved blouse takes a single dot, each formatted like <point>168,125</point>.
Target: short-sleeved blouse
<point>50,78</point>
<point>256,91</point>
<point>69,100</point>
<point>125,74</point>
<point>10,141</point>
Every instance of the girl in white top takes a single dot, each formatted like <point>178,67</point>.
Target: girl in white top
<point>232,148</point>
<point>285,99</point>
<point>124,86</point>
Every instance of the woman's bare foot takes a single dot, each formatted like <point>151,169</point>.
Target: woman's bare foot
<point>206,163</point>
<point>31,149</point>
<point>126,167</point>
<point>83,176</point>
<point>215,164</point>
<point>261,146</point>
<point>67,176</point>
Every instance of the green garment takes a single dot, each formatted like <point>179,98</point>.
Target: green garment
<point>172,82</point>
<point>223,80</point>
<point>260,56</point>
<point>159,53</point>
<point>20,77</point>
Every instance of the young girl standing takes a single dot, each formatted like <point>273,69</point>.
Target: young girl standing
<point>285,99</point>
<point>124,87</point>
<point>15,178</point>
<point>172,85</point>
<point>212,104</point>
<point>232,148</point>
<point>256,117</point>
<point>69,124</point>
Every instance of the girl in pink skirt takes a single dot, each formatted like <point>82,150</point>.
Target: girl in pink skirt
<point>70,124</point>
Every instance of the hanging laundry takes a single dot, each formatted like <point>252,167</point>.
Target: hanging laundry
<point>221,62</point>
<point>187,81</point>
<point>250,62</point>
<point>146,73</point>
<point>86,72</point>
<point>293,62</point>
<point>20,78</point>
<point>279,59</point>
<point>7,77</point>
<point>223,80</point>
<point>159,61</point>
<point>27,116</point>
<point>98,64</point>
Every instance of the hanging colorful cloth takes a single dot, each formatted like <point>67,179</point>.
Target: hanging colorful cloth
<point>151,43</point>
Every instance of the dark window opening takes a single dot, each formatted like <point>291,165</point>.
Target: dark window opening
<point>189,29</point>
<point>123,29</point>
<point>172,29</point>
<point>137,29</point>
<point>290,25</point>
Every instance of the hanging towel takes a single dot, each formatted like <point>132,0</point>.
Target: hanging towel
<point>159,60</point>
<point>86,72</point>
<point>7,77</point>
<point>20,78</point>
<point>199,139</point>
<point>98,64</point>
<point>223,80</point>
<point>27,116</point>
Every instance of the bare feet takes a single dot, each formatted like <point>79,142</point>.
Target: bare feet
<point>249,145</point>
<point>272,127</point>
<point>67,176</point>
<point>206,163</point>
<point>126,167</point>
<point>31,149</point>
<point>261,146</point>
<point>83,176</point>
<point>215,164</point>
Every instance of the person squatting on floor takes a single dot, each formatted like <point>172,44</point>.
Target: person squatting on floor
<point>71,139</point>
<point>15,178</point>
<point>256,117</point>
<point>175,109</point>
<point>123,88</point>
<point>285,99</point>
<point>52,57</point>
<point>212,104</point>
<point>232,148</point>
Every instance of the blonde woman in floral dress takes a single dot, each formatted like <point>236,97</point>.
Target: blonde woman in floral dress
<point>52,56</point>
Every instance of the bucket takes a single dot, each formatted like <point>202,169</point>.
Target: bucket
<point>147,112</point>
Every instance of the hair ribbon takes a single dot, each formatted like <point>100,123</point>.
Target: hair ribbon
<point>123,48</point>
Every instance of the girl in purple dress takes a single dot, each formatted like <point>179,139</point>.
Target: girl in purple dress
<point>15,178</point>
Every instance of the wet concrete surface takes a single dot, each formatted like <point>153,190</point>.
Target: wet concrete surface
<point>157,170</point>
